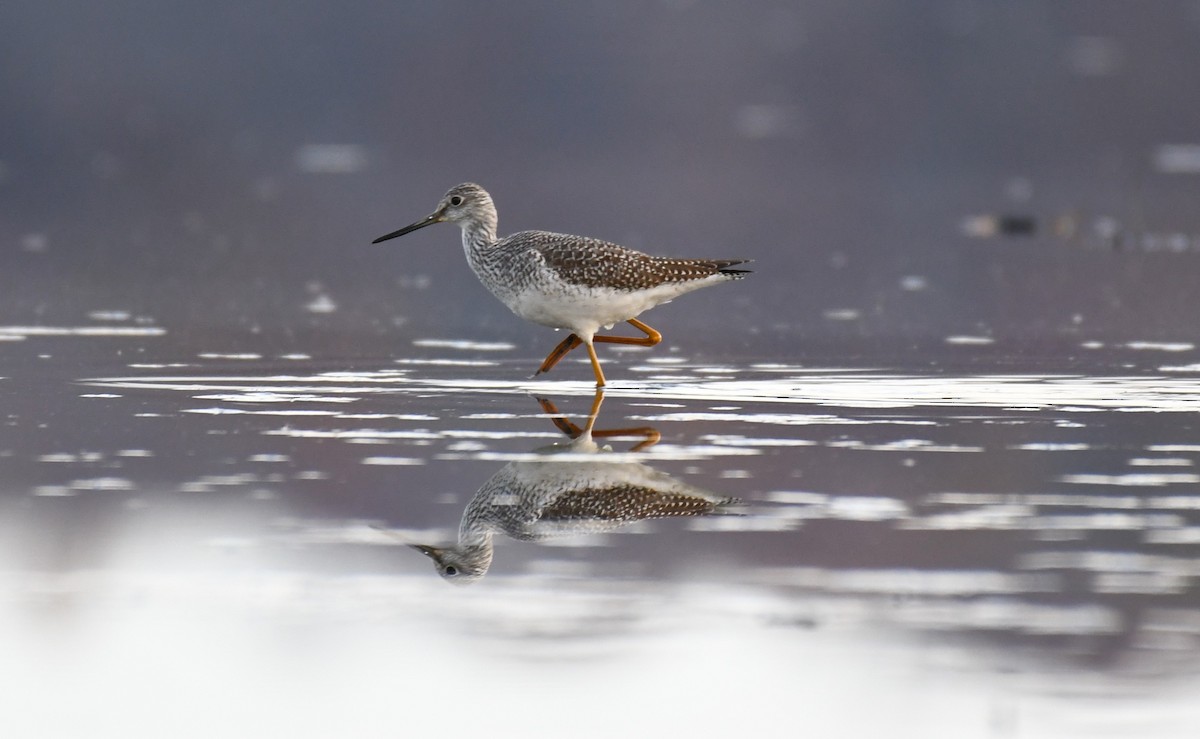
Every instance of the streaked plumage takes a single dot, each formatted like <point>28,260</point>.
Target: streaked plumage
<point>548,497</point>
<point>569,282</point>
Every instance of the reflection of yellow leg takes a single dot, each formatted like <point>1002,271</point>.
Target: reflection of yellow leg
<point>595,365</point>
<point>563,423</point>
<point>565,346</point>
<point>566,425</point>
<point>594,413</point>
<point>650,435</point>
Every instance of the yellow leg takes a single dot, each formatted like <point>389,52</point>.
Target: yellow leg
<point>565,346</point>
<point>651,337</point>
<point>596,365</point>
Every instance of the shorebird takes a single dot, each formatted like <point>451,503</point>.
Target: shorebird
<point>570,282</point>
<point>560,493</point>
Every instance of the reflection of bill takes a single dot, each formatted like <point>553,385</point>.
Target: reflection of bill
<point>559,494</point>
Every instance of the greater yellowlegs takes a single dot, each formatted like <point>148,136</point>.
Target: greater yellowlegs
<point>571,282</point>
<point>552,495</point>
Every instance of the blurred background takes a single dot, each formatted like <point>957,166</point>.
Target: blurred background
<point>956,396</point>
<point>224,166</point>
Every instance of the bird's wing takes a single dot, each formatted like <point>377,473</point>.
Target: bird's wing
<point>594,263</point>
<point>626,503</point>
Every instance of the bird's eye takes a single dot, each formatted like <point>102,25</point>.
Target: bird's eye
<point>451,570</point>
<point>456,200</point>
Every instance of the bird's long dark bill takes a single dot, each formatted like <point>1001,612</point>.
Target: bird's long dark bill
<point>426,550</point>
<point>427,221</point>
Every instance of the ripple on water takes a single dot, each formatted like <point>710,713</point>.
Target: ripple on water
<point>832,388</point>
<point>1133,479</point>
<point>393,461</point>
<point>20,332</point>
<point>465,345</point>
<point>1160,346</point>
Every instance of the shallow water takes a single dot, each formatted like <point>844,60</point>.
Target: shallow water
<point>929,471</point>
<point>231,530</point>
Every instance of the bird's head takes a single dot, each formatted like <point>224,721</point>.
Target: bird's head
<point>467,205</point>
<point>459,565</point>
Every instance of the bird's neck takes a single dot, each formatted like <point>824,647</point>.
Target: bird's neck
<point>479,235</point>
<point>479,240</point>
<point>475,546</point>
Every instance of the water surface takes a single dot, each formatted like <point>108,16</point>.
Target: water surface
<point>238,526</point>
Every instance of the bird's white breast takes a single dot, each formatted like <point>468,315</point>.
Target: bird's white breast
<point>584,310</point>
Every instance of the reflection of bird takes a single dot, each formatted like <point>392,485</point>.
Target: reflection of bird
<point>551,496</point>
<point>570,282</point>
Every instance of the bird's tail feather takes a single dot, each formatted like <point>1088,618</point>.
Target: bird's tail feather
<point>723,266</point>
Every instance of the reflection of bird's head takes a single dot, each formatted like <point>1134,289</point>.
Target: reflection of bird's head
<point>459,565</point>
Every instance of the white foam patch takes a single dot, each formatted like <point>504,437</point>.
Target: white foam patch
<point>275,397</point>
<point>1188,535</point>
<point>796,497</point>
<point>1160,462</point>
<point>1137,479</point>
<point>1046,446</point>
<point>448,362</point>
<point>393,461</point>
<point>825,388</point>
<point>218,411</point>
<point>842,314</point>
<point>658,452</point>
<point>742,523</point>
<point>101,331</point>
<point>1160,346</point>
<point>970,340</point>
<point>54,491</point>
<point>780,419</point>
<point>325,532</point>
<point>1029,501</point>
<point>865,508</point>
<point>102,483</point>
<point>1175,502</point>
<point>110,315</point>
<point>749,441</point>
<point>352,434</point>
<point>321,304</point>
<point>67,458</point>
<point>387,416</point>
<point>912,582</point>
<point>466,345</point>
<point>1017,517</point>
<point>207,483</point>
<point>902,445</point>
